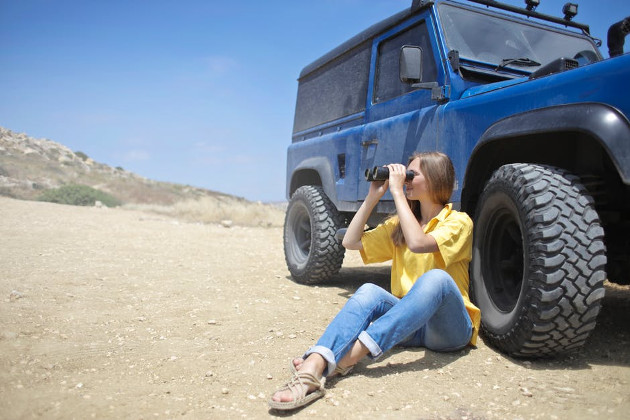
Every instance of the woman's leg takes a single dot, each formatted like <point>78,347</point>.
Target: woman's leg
<point>340,338</point>
<point>369,303</point>
<point>432,314</point>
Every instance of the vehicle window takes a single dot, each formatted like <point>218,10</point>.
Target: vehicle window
<point>335,90</point>
<point>388,84</point>
<point>491,39</point>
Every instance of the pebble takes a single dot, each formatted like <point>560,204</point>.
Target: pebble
<point>225,391</point>
<point>15,295</point>
<point>526,392</point>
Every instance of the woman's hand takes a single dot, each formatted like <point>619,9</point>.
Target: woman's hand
<point>378,189</point>
<point>397,178</point>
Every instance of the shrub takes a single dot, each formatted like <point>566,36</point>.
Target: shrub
<point>78,195</point>
<point>82,155</point>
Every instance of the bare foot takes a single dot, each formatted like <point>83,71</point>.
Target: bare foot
<point>297,363</point>
<point>314,364</point>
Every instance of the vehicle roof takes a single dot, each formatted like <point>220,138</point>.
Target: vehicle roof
<point>356,40</point>
<point>368,34</point>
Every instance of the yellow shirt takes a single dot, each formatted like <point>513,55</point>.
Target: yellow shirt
<point>452,231</point>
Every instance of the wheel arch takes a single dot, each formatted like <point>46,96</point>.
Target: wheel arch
<point>313,171</point>
<point>582,138</point>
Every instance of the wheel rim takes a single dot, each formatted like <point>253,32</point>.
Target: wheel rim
<point>503,248</point>
<point>301,232</point>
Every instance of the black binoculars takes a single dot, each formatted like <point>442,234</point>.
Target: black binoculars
<point>381,173</point>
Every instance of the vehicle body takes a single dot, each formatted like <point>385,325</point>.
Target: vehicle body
<point>535,121</point>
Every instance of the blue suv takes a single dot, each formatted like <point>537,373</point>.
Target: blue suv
<point>536,123</point>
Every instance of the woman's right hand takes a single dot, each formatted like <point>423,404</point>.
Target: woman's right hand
<point>378,189</point>
<point>352,238</point>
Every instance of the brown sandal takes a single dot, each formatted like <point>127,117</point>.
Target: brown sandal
<point>298,385</point>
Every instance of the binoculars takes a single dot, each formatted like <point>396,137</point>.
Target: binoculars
<point>381,173</point>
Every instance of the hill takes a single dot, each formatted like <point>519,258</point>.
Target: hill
<point>29,166</point>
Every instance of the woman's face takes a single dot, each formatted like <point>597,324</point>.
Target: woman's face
<point>418,187</point>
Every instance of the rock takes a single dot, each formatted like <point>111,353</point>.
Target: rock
<point>526,392</point>
<point>15,295</point>
<point>226,223</point>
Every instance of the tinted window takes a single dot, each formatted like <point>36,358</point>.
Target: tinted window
<point>333,91</point>
<point>388,84</point>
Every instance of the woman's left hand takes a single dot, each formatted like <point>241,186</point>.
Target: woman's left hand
<point>397,177</point>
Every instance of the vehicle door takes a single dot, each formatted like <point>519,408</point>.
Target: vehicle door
<point>400,118</point>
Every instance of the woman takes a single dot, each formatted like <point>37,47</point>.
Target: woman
<point>430,246</point>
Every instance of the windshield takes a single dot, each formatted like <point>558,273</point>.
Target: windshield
<point>508,44</point>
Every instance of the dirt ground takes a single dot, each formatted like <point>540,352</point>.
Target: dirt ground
<point>112,313</point>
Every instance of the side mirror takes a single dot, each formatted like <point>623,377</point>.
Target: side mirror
<point>410,64</point>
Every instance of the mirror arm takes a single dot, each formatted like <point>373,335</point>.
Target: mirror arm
<point>438,93</point>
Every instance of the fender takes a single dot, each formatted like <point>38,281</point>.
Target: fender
<point>324,169</point>
<point>602,122</point>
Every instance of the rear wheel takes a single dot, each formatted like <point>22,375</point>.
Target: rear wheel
<point>539,260</point>
<point>312,252</point>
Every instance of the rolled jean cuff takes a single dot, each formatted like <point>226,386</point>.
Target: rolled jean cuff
<point>367,341</point>
<point>327,354</point>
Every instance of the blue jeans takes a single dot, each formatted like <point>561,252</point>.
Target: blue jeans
<point>431,315</point>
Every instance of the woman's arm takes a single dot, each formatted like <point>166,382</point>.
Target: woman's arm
<point>352,238</point>
<point>417,241</point>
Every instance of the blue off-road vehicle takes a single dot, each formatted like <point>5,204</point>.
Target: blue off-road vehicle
<point>536,123</point>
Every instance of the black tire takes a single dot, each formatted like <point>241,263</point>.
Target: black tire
<point>312,252</point>
<point>539,260</point>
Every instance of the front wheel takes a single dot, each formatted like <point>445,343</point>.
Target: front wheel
<point>538,263</point>
<point>312,252</point>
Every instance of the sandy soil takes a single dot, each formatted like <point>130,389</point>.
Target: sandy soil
<point>109,313</point>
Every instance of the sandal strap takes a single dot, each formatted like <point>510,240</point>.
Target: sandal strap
<point>308,379</point>
<point>299,386</point>
<point>343,371</point>
<point>301,381</point>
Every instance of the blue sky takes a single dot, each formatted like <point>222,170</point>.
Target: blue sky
<point>193,92</point>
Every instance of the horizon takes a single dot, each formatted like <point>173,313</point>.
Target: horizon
<point>198,93</point>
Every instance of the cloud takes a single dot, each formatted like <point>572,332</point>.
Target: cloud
<point>206,147</point>
<point>136,155</point>
<point>220,65</point>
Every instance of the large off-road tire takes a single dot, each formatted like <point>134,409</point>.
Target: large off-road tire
<point>539,261</point>
<point>312,251</point>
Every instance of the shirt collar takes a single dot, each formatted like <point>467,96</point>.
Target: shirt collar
<point>441,216</point>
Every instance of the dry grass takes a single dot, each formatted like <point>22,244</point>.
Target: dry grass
<point>218,209</point>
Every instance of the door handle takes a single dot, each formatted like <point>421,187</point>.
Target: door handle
<point>367,143</point>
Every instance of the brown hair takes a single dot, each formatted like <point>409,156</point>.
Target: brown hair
<point>439,172</point>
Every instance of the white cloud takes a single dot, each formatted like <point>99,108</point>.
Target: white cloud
<point>136,155</point>
<point>219,65</point>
